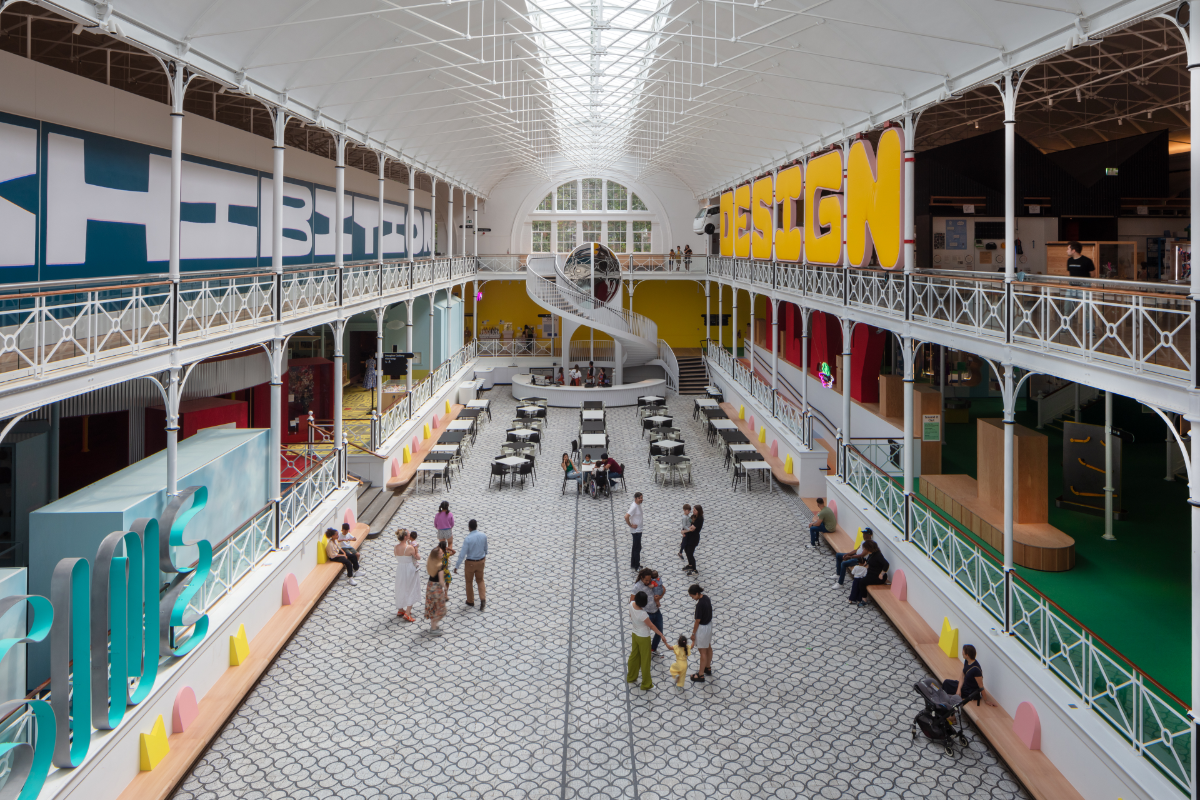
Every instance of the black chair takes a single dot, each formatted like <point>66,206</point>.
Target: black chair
<point>523,470</point>
<point>536,438</point>
<point>509,436</point>
<point>593,404</point>
<point>613,477</point>
<point>574,448</point>
<point>444,475</point>
<point>498,470</point>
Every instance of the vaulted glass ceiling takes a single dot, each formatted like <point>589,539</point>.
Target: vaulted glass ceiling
<point>711,91</point>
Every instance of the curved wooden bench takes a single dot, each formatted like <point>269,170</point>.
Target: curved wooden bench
<point>397,483</point>
<point>777,467</point>
<point>1036,545</point>
<point>1031,767</point>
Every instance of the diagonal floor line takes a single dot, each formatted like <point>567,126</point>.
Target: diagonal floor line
<point>625,643</point>
<point>570,652</point>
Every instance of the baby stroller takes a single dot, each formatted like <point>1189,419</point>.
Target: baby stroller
<point>943,718</point>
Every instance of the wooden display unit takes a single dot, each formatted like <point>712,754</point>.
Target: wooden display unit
<point>1122,255</point>
<point>891,396</point>
<point>1031,498</point>
<point>978,505</point>
<point>927,400</point>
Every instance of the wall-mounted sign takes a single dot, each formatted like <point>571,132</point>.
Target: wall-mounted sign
<point>854,196</point>
<point>931,427</point>
<point>1110,172</point>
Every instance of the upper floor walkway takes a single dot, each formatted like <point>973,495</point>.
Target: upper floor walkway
<point>62,338</point>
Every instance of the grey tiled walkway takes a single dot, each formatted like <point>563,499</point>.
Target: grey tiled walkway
<point>811,698</point>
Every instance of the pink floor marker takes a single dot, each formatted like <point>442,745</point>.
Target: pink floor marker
<point>351,518</point>
<point>900,585</point>
<point>185,710</point>
<point>436,421</point>
<point>1028,726</point>
<point>751,422</point>
<point>416,445</point>
<point>291,589</point>
<point>395,468</point>
<point>775,448</point>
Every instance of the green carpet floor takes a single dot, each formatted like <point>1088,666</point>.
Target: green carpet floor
<point>1133,593</point>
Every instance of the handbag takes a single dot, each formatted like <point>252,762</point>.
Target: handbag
<point>950,686</point>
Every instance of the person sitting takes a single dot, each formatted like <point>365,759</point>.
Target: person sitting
<point>601,380</point>
<point>826,521</point>
<point>570,473</point>
<point>843,561</point>
<point>606,469</point>
<point>971,686</point>
<point>334,552</point>
<point>871,573</point>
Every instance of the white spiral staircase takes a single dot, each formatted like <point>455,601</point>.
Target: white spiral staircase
<point>637,334</point>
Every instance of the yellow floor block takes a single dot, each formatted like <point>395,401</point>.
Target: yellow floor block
<point>239,647</point>
<point>948,641</point>
<point>154,745</point>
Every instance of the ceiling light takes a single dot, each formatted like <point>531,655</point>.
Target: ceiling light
<point>977,124</point>
<point>1149,115</point>
<point>1118,120</point>
<point>1049,101</point>
<point>1078,95</point>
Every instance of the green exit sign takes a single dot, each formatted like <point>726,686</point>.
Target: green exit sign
<point>1110,172</point>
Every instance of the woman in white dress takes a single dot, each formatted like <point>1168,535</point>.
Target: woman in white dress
<point>408,585</point>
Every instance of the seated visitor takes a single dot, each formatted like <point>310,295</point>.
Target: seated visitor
<point>570,473</point>
<point>826,521</point>
<point>334,552</point>
<point>600,379</point>
<point>843,561</point>
<point>346,540</point>
<point>870,573</point>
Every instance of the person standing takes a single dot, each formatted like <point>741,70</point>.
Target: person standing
<point>633,518</point>
<point>826,521</point>
<point>1078,265</point>
<point>702,631</point>
<point>684,526</point>
<point>645,583</point>
<point>691,538</point>
<point>435,589</point>
<point>408,584</point>
<point>443,521</point>
<point>474,553</point>
<point>639,651</point>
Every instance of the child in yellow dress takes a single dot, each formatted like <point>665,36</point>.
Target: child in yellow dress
<point>680,667</point>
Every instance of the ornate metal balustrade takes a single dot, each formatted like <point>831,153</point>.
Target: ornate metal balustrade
<point>49,327</point>
<point>1143,328</point>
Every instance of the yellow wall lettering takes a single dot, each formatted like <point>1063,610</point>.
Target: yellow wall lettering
<point>727,224</point>
<point>789,193</point>
<point>823,209</point>
<point>875,200</point>
<point>741,221</point>
<point>762,222</point>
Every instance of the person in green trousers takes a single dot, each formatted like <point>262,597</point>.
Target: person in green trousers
<point>639,652</point>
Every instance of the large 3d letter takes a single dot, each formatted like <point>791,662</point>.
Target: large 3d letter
<point>727,224</point>
<point>187,581</point>
<point>789,193</point>
<point>741,221</point>
<point>762,218</point>
<point>29,764</point>
<point>823,209</point>
<point>875,200</point>
<point>69,643</point>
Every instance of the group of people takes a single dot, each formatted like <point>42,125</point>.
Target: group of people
<point>593,477</point>
<point>473,557</point>
<point>594,376</point>
<point>680,257</point>
<point>646,624</point>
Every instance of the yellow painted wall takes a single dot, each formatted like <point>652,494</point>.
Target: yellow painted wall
<point>508,301</point>
<point>677,307</point>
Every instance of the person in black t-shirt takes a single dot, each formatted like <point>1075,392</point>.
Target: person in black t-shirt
<point>1078,265</point>
<point>971,686</point>
<point>702,631</point>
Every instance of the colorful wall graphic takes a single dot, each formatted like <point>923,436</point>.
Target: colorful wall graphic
<point>78,205</point>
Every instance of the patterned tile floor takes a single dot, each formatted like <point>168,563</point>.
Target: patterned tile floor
<point>811,698</point>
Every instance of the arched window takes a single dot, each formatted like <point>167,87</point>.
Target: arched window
<point>636,204</point>
<point>618,197</point>
<point>568,197</point>
<point>547,203</point>
<point>593,194</point>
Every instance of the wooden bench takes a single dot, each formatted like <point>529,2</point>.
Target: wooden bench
<point>235,683</point>
<point>839,540</point>
<point>777,466</point>
<point>398,483</point>
<point>1032,767</point>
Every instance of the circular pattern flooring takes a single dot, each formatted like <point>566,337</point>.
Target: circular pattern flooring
<point>811,697</point>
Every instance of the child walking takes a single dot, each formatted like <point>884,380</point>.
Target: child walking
<point>680,667</point>
<point>687,523</point>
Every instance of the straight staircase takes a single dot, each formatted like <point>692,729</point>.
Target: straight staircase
<point>693,375</point>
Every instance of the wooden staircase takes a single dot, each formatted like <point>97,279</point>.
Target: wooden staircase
<point>693,375</point>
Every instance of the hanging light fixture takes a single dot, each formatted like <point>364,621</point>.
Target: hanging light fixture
<point>976,124</point>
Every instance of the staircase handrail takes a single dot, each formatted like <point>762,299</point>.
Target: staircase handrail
<point>565,297</point>
<point>670,365</point>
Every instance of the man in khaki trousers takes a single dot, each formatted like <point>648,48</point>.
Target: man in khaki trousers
<point>473,552</point>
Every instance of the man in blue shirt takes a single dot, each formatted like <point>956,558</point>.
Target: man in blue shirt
<point>473,551</point>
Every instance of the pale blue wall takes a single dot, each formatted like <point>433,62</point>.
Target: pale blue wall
<point>448,322</point>
<point>232,463</point>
